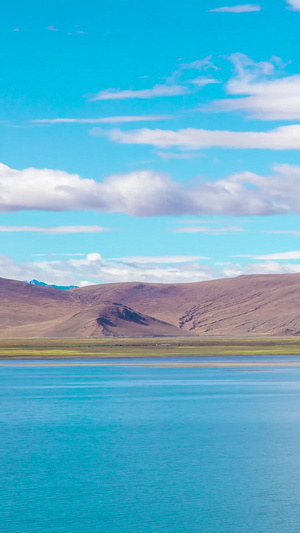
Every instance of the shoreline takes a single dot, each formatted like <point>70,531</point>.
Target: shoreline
<point>34,363</point>
<point>163,352</point>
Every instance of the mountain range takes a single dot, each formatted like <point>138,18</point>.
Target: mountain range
<point>241,306</point>
<point>43,284</point>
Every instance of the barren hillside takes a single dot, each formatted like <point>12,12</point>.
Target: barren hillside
<point>247,305</point>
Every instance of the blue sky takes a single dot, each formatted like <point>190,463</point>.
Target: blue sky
<point>149,141</point>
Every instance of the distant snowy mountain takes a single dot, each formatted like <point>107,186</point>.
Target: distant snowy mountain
<point>43,284</point>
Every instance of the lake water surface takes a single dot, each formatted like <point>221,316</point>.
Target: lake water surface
<point>132,449</point>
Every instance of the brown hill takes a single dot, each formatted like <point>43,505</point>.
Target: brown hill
<point>107,320</point>
<point>35,311</point>
<point>246,305</point>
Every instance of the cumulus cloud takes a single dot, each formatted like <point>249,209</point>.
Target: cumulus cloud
<point>142,193</point>
<point>149,193</point>
<point>104,120</point>
<point>241,8</point>
<point>282,138</point>
<point>260,90</point>
<point>294,4</point>
<point>54,230</point>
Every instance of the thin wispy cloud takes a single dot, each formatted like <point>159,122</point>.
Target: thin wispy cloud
<point>54,230</point>
<point>79,30</point>
<point>188,70</point>
<point>241,8</point>
<point>201,81</point>
<point>154,92</point>
<point>282,138</point>
<point>275,256</point>
<point>175,85</point>
<point>160,259</point>
<point>166,156</point>
<point>52,28</point>
<point>44,255</point>
<point>205,229</point>
<point>57,254</point>
<point>195,221</point>
<point>295,232</point>
<point>103,120</point>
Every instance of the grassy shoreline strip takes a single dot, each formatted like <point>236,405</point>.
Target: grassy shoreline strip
<point>128,349</point>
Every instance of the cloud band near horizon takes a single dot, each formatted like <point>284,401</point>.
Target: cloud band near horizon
<point>93,268</point>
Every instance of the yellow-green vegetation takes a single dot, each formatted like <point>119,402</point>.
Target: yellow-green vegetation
<point>154,347</point>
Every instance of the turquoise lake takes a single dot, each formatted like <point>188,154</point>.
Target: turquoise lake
<point>144,449</point>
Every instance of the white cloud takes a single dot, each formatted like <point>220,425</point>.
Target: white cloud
<point>268,267</point>
<point>174,85</point>
<point>154,92</point>
<point>195,221</point>
<point>105,120</point>
<point>241,8</point>
<point>95,269</point>
<point>52,28</point>
<point>166,156</point>
<point>276,256</point>
<point>56,254</point>
<point>79,31</point>
<point>283,138</point>
<point>142,193</point>
<point>204,229</point>
<point>148,193</point>
<point>294,4</point>
<point>283,232</point>
<point>160,259</point>
<point>55,230</point>
<point>201,81</point>
<point>261,91</point>
<point>198,65</point>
